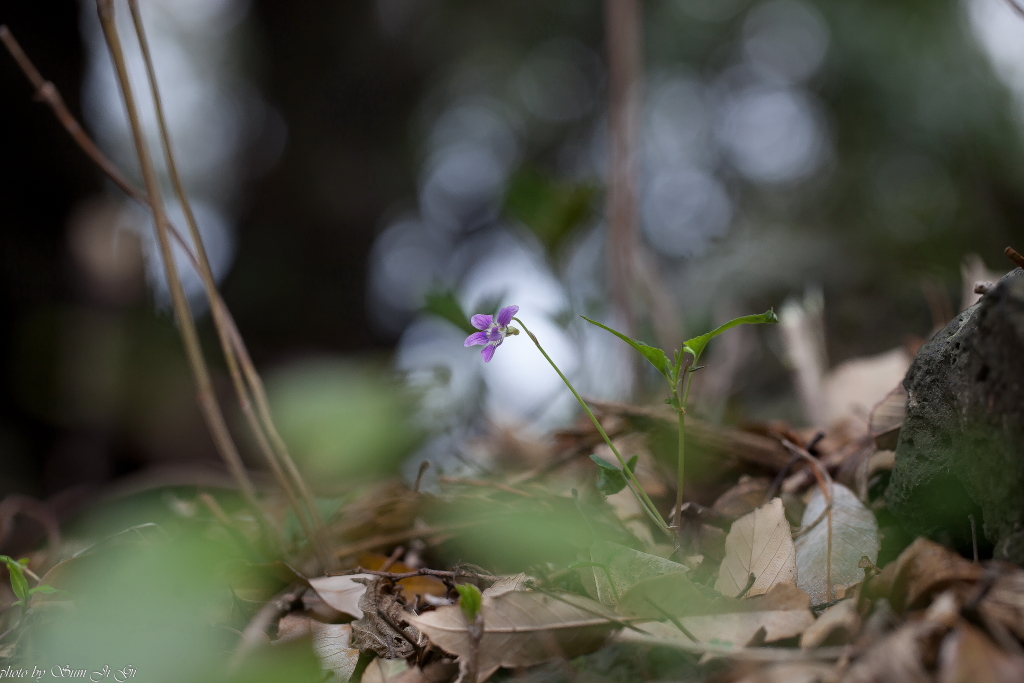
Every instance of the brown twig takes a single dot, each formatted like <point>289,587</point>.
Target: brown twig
<point>398,576</point>
<point>622,22</point>
<point>1010,252</point>
<point>207,400</point>
<point>217,308</point>
<point>46,91</point>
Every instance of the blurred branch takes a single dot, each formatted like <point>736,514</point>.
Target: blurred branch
<point>623,30</point>
<point>48,94</point>
<point>311,524</point>
<point>207,400</point>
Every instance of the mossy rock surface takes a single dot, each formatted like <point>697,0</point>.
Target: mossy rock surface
<point>961,448</point>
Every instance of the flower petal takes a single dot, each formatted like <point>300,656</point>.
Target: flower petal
<point>505,315</point>
<point>481,321</point>
<point>488,352</point>
<point>476,339</point>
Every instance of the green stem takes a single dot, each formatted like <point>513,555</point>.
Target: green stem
<point>637,490</point>
<point>681,410</point>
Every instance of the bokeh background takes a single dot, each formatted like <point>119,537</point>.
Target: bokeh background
<point>366,172</point>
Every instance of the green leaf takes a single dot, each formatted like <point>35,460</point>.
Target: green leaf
<point>444,305</point>
<point>42,588</point>
<point>653,354</point>
<point>18,583</point>
<point>610,478</point>
<point>696,345</point>
<point>469,600</point>
<point>550,208</point>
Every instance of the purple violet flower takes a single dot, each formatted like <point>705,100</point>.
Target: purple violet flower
<point>492,331</point>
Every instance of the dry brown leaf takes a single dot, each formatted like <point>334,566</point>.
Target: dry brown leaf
<point>742,498</point>
<point>968,656</point>
<point>839,624</point>
<point>332,644</point>
<point>922,570</point>
<point>856,386</point>
<point>435,672</point>
<point>759,543</point>
<point>506,584</point>
<point>1004,603</point>
<point>830,546</point>
<point>521,628</point>
<point>411,587</point>
<point>783,612</point>
<point>292,627</point>
<point>342,592</point>
<point>795,672</point>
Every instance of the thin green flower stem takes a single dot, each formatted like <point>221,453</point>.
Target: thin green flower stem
<point>681,410</point>
<point>638,491</point>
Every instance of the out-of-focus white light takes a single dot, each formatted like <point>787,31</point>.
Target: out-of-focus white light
<point>1001,33</point>
<point>785,40</point>
<point>462,186</point>
<point>772,135</point>
<point>683,211</point>
<point>678,123</point>
<point>403,264</point>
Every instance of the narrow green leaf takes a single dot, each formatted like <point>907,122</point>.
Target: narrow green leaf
<point>653,354</point>
<point>610,478</point>
<point>469,600</point>
<point>18,583</point>
<point>42,588</point>
<point>696,345</point>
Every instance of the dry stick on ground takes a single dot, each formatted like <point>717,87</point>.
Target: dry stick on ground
<point>47,93</point>
<point>207,400</point>
<point>206,273</point>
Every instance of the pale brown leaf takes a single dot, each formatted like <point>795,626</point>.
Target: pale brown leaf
<point>332,644</point>
<point>783,612</point>
<point>759,543</point>
<point>521,628</point>
<point>342,592</point>
<point>506,584</point>
<point>830,546</point>
<point>967,655</point>
<point>837,625</point>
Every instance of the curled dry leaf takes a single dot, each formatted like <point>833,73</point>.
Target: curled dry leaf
<point>782,612</point>
<point>742,498</point>
<point>838,625</point>
<point>759,543</point>
<point>342,592</point>
<point>967,655</point>
<point>625,567</point>
<point>921,571</point>
<point>521,628</point>
<point>506,584</point>
<point>830,546</point>
<point>332,643</point>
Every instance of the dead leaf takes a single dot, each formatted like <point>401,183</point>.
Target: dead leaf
<point>887,417</point>
<point>794,672</point>
<point>332,644</point>
<point>968,656</point>
<point>747,495</point>
<point>625,567</point>
<point>856,386</point>
<point>506,584</point>
<point>830,546</point>
<point>292,627</point>
<point>521,628</point>
<point>838,625</point>
<point>922,570</point>
<point>1004,603</point>
<point>411,587</point>
<point>383,628</point>
<point>759,543</point>
<point>782,612</point>
<point>342,592</point>
<point>435,672</point>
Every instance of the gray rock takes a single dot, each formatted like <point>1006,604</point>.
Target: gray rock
<point>961,447</point>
